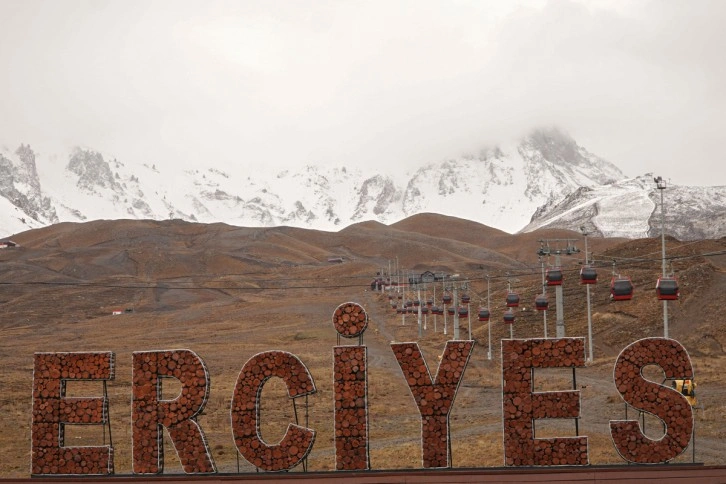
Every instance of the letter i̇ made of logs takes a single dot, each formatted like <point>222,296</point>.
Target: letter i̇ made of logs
<point>350,381</point>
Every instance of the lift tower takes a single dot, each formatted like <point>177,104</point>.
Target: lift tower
<point>546,249</point>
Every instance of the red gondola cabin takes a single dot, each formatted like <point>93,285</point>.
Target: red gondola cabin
<point>484,314</point>
<point>541,303</point>
<point>512,300</point>
<point>621,288</point>
<point>554,276</point>
<point>667,289</point>
<point>588,275</point>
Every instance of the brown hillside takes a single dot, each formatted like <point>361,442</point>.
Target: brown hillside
<point>230,292</point>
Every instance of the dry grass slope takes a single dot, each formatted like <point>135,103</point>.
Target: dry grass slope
<point>230,292</point>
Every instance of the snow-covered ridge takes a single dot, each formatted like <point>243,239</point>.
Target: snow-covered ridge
<point>546,179</point>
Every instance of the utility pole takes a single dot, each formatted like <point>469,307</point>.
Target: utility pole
<point>489,323</point>
<point>661,186</point>
<point>455,303</point>
<point>420,326</point>
<point>559,303</point>
<point>589,311</point>
<point>544,293</point>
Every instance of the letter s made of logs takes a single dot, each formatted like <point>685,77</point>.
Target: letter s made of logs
<point>665,403</point>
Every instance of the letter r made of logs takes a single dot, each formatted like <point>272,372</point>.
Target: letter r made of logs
<point>149,412</point>
<point>434,397</point>
<point>52,411</point>
<point>521,405</point>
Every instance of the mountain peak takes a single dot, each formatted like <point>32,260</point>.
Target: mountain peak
<point>507,187</point>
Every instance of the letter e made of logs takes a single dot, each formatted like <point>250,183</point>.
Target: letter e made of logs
<point>52,411</point>
<point>521,405</point>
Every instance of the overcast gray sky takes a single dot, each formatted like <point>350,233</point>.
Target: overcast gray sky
<point>253,84</point>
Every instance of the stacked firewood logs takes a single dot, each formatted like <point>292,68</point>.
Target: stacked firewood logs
<point>52,411</point>
<point>351,412</point>
<point>434,399</point>
<point>665,403</point>
<point>350,381</point>
<point>521,406</point>
<point>350,320</point>
<point>297,441</point>
<point>178,415</point>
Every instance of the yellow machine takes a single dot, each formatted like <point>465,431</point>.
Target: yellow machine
<point>687,388</point>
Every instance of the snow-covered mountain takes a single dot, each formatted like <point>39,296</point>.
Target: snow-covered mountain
<point>632,208</point>
<point>537,182</point>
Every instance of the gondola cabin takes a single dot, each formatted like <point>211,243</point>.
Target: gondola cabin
<point>621,288</point>
<point>465,298</point>
<point>509,316</point>
<point>446,299</point>
<point>667,289</point>
<point>553,276</point>
<point>512,300</point>
<point>437,310</point>
<point>416,303</point>
<point>588,275</point>
<point>451,310</point>
<point>484,314</point>
<point>541,303</point>
<point>429,302</point>
<point>424,310</point>
<point>463,312</point>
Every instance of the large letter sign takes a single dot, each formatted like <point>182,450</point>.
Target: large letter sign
<point>298,441</point>
<point>663,402</point>
<point>152,410</point>
<point>522,406</point>
<point>434,399</point>
<point>52,411</point>
<point>150,413</point>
